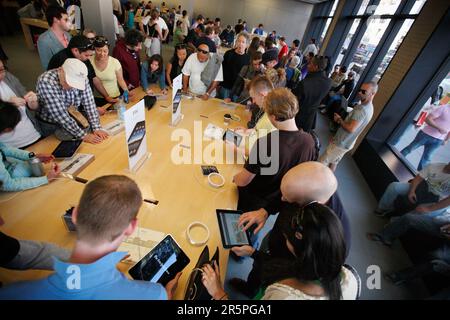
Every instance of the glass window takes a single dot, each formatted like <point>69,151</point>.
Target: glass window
<point>417,6</point>
<point>394,47</point>
<point>363,7</point>
<point>387,7</point>
<point>347,41</point>
<point>333,8</point>
<point>367,46</point>
<point>426,139</point>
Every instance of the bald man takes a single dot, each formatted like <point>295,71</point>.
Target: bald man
<point>305,183</point>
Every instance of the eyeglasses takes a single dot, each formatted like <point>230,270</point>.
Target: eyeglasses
<point>362,91</point>
<point>203,51</point>
<point>297,219</point>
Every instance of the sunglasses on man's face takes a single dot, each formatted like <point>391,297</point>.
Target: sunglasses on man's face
<point>362,91</point>
<point>203,51</point>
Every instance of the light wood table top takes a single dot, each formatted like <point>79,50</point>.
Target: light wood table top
<point>182,191</point>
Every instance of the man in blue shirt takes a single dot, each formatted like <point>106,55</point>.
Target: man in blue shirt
<point>105,216</point>
<point>259,31</point>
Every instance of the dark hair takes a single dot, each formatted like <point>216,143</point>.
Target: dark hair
<point>201,27</point>
<point>179,22</point>
<point>209,31</point>
<point>159,59</point>
<point>54,12</point>
<point>319,254</point>
<point>282,39</point>
<point>311,54</point>
<point>313,40</point>
<point>200,17</point>
<point>256,56</point>
<point>133,37</point>
<point>217,20</point>
<point>296,42</point>
<point>260,25</point>
<point>100,42</point>
<point>343,69</point>
<point>320,62</point>
<point>254,45</point>
<point>184,13</point>
<point>238,28</point>
<point>9,116</point>
<point>268,43</point>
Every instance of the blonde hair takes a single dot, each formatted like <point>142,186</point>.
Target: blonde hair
<point>282,104</point>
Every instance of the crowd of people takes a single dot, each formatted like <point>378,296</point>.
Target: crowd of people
<point>303,256</point>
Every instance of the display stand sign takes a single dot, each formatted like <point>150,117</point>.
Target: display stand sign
<point>136,137</point>
<point>177,85</point>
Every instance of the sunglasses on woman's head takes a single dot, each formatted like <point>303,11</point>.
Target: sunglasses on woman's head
<point>297,219</point>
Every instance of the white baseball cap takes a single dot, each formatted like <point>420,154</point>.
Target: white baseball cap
<point>76,73</point>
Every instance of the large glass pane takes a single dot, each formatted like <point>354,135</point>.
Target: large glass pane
<point>387,7</point>
<point>325,29</point>
<point>347,41</point>
<point>363,7</point>
<point>417,6</point>
<point>425,140</point>
<point>394,47</point>
<point>367,46</point>
<point>333,8</point>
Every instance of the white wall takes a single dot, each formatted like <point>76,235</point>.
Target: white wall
<point>289,18</point>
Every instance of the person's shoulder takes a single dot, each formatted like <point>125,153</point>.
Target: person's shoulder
<point>114,61</point>
<point>45,36</point>
<point>141,290</point>
<point>50,77</point>
<point>25,290</point>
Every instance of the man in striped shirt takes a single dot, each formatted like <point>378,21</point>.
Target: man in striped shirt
<point>68,88</point>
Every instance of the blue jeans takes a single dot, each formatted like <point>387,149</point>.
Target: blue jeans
<point>430,145</point>
<point>394,190</point>
<point>224,93</point>
<point>418,221</point>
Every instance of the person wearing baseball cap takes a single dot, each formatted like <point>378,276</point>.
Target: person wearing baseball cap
<point>62,90</point>
<point>81,48</point>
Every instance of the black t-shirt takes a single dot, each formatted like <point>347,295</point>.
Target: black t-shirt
<point>9,249</point>
<point>272,156</point>
<point>232,65</point>
<point>58,60</point>
<point>191,37</point>
<point>176,68</point>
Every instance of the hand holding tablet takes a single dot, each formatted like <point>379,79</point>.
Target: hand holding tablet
<point>231,233</point>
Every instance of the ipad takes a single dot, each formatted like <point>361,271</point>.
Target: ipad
<point>230,233</point>
<point>66,149</point>
<point>232,136</point>
<point>206,170</point>
<point>136,137</point>
<point>162,263</point>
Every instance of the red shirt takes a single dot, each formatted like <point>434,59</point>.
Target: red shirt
<point>130,62</point>
<point>284,51</point>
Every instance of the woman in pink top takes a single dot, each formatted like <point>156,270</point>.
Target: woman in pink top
<point>435,133</point>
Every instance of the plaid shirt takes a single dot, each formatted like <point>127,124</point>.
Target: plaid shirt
<point>55,101</point>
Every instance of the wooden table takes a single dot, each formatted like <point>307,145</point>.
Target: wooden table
<point>183,193</point>
<point>26,23</point>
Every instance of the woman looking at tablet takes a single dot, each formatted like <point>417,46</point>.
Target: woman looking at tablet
<point>15,170</point>
<point>316,272</point>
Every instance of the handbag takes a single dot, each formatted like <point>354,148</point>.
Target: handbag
<point>78,117</point>
<point>148,42</point>
<point>195,290</point>
<point>149,101</point>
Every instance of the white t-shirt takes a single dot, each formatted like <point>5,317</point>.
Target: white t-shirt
<point>116,26</point>
<point>24,133</point>
<point>310,48</point>
<point>194,68</point>
<point>437,179</point>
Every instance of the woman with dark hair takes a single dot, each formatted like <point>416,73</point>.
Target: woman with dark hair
<point>317,272</point>
<point>150,27</point>
<point>109,71</point>
<point>15,170</point>
<point>254,46</point>
<point>176,63</point>
<point>152,71</point>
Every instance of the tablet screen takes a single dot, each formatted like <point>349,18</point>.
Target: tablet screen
<point>66,149</point>
<point>230,232</point>
<point>232,136</point>
<point>161,264</point>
